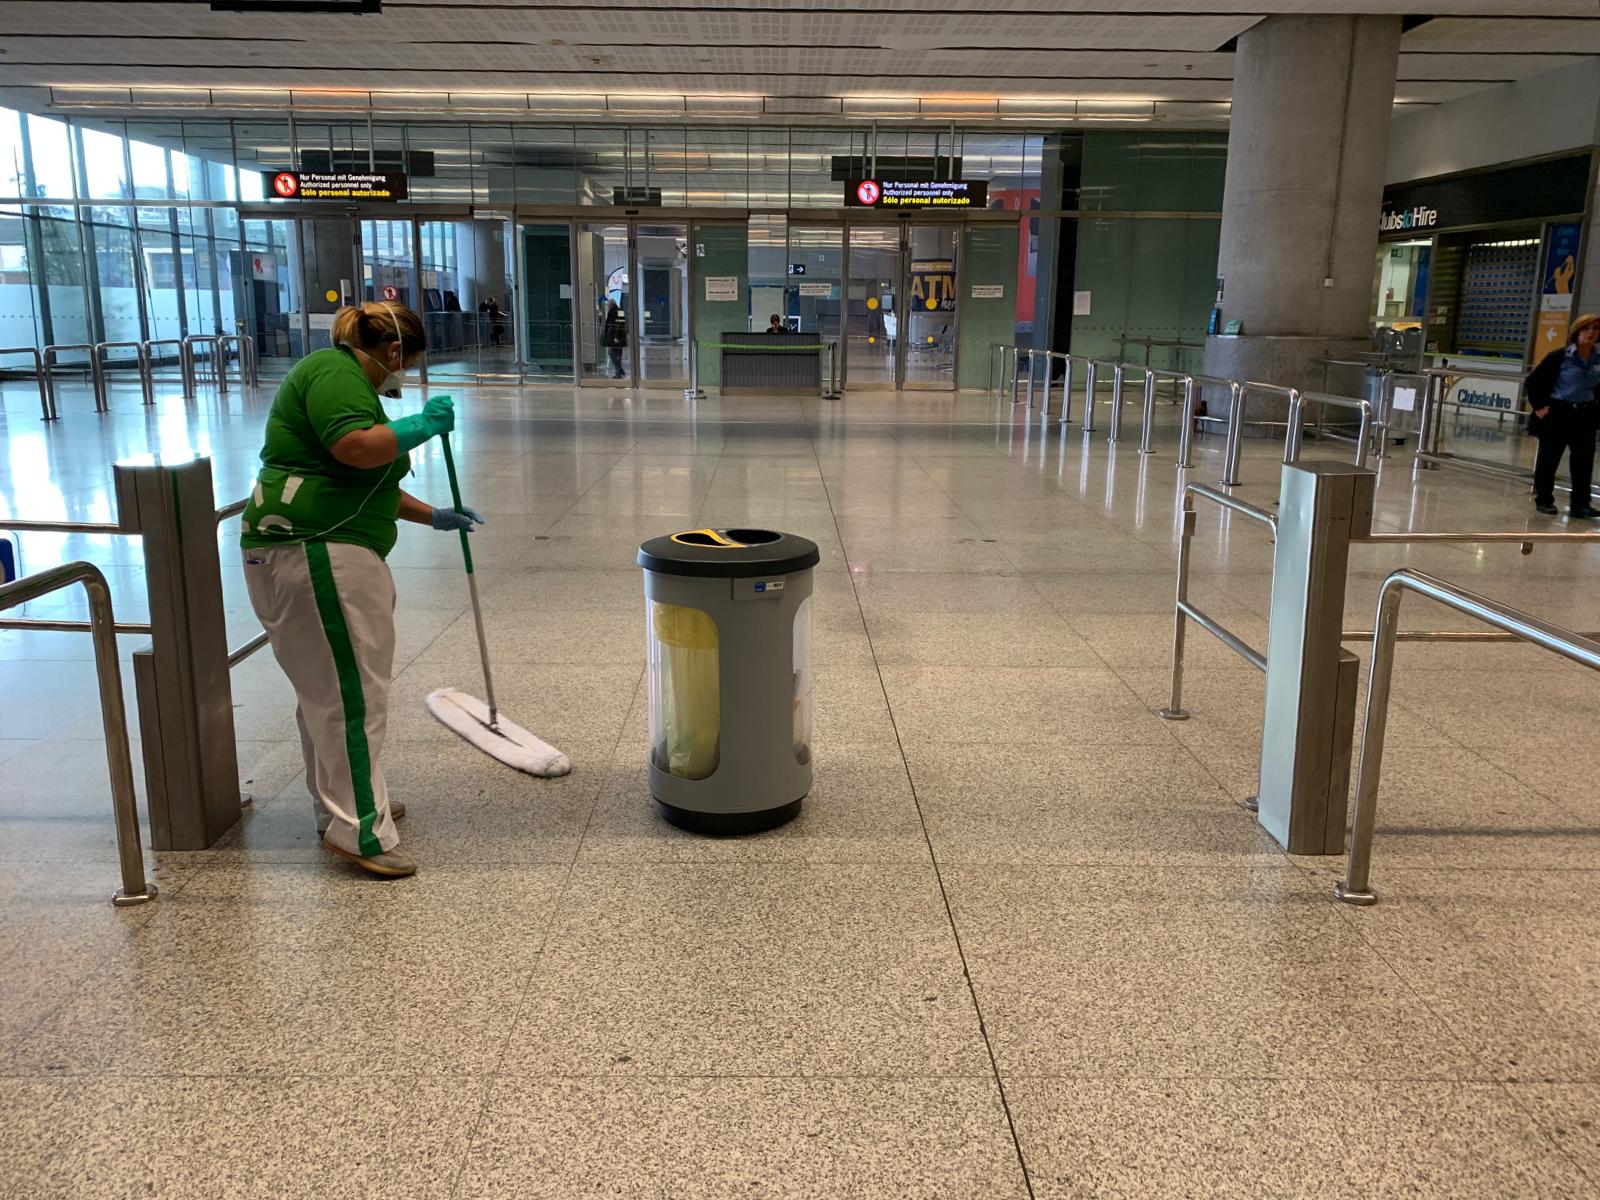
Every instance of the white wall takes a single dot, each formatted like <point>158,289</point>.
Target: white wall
<point>1546,114</point>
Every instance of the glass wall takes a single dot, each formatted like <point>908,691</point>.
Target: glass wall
<point>1147,279</point>
<point>113,230</point>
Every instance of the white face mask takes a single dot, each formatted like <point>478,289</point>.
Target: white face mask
<point>394,380</point>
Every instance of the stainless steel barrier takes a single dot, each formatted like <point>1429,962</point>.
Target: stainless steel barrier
<point>191,372</point>
<point>1234,448</point>
<point>1429,455</point>
<point>147,385</point>
<point>1183,611</point>
<point>244,347</point>
<point>46,399</point>
<point>153,359</point>
<point>135,889</point>
<point>96,377</point>
<point>1297,405</point>
<point>833,392</point>
<point>1355,888</point>
<point>694,391</point>
<point>185,699</point>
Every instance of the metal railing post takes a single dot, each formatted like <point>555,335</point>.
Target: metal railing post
<point>1049,370</point>
<point>1186,433</point>
<point>1016,371</point>
<point>1066,390</point>
<point>1114,431</point>
<point>185,699</point>
<point>46,400</point>
<point>1089,386</point>
<point>1032,372</point>
<point>1147,433</point>
<point>191,387</point>
<point>135,889</point>
<point>1355,888</point>
<point>1309,721</point>
<point>1175,711</point>
<point>96,377</point>
<point>694,391</point>
<point>1234,447</point>
<point>1291,436</point>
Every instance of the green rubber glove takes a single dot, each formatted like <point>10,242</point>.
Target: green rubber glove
<point>438,416</point>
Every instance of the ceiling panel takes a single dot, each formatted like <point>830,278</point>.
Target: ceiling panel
<point>902,49</point>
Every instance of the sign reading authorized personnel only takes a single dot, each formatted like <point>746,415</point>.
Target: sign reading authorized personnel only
<point>916,193</point>
<point>339,185</point>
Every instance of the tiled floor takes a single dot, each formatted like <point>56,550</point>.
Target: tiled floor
<point>1022,941</point>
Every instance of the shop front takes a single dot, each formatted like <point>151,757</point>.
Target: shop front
<point>1476,271</point>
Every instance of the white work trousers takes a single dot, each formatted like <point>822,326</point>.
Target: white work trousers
<point>328,610</point>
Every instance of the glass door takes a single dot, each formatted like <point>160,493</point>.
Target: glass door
<point>816,277</point>
<point>871,314</point>
<point>661,261</point>
<point>466,297</point>
<point>929,356</point>
<point>544,301</point>
<point>605,299</point>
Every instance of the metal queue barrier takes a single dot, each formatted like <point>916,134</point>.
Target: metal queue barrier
<point>102,624</point>
<point>185,698</point>
<point>1308,723</point>
<point>96,376</point>
<point>1430,433</point>
<point>46,399</point>
<point>1514,625</point>
<point>147,385</point>
<point>46,364</point>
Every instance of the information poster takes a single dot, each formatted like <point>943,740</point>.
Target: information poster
<point>722,287</point>
<point>1555,291</point>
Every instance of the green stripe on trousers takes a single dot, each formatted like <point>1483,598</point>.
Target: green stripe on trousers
<point>350,693</point>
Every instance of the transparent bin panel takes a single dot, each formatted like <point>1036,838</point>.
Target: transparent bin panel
<point>685,691</point>
<point>804,678</point>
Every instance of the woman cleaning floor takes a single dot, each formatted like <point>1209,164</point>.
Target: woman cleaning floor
<point>321,520</point>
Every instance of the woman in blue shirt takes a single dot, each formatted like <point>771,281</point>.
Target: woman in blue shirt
<point>1563,391</point>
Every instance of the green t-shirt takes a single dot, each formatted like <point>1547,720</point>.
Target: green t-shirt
<point>302,492</point>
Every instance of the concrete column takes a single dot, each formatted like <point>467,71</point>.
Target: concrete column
<point>1307,143</point>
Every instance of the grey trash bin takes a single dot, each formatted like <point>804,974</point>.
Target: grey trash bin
<point>728,613</point>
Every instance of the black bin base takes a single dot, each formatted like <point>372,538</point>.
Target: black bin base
<point>729,824</point>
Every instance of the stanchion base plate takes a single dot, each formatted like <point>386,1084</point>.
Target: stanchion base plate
<point>1364,899</point>
<point>124,899</point>
<point>1173,714</point>
<point>1251,804</point>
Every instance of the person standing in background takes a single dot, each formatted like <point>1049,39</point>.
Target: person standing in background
<point>1564,393</point>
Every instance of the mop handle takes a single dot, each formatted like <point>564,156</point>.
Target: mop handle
<point>472,584</point>
<point>455,497</point>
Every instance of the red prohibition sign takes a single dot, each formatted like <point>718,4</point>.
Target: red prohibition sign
<point>390,292</point>
<point>868,192</point>
<point>285,183</point>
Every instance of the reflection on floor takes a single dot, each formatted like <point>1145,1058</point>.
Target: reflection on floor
<point>1022,941</point>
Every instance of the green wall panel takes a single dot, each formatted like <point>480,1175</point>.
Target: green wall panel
<point>719,250</point>
<point>988,259</point>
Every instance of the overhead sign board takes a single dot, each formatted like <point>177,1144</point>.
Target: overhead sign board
<point>916,193</point>
<point>338,185</point>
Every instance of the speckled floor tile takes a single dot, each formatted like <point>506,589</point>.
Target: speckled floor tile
<point>713,1139</point>
<point>1569,1115</point>
<point>976,640</point>
<point>859,810</point>
<point>236,1138</point>
<point>461,807</point>
<point>1018,705</point>
<point>1506,957</point>
<point>1246,972</point>
<point>749,969</point>
<point>1306,1139</point>
<point>257,968</point>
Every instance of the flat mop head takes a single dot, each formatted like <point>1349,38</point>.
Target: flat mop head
<point>513,745</point>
